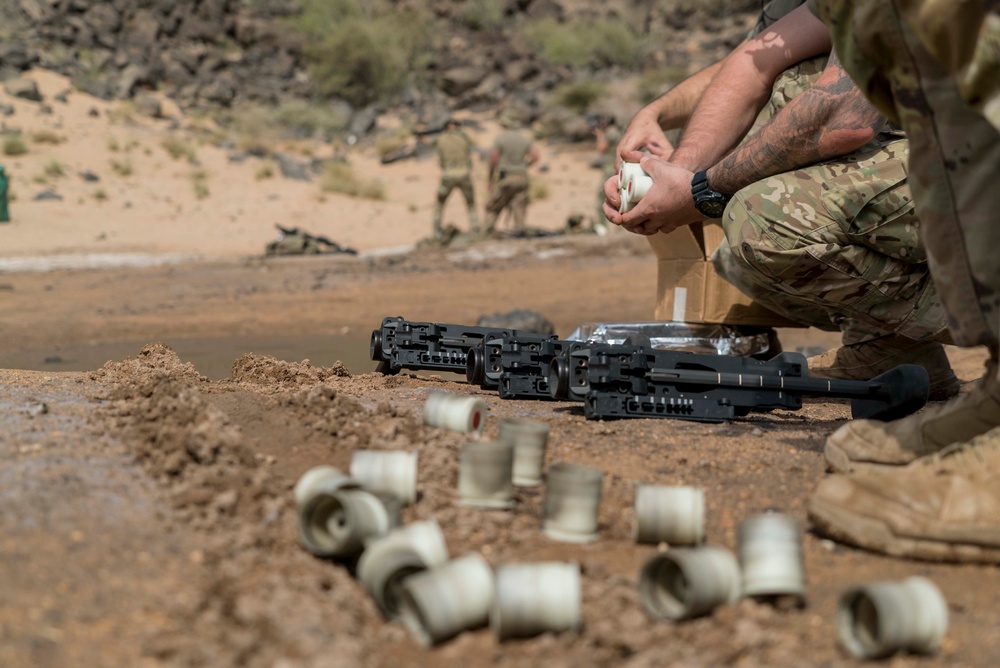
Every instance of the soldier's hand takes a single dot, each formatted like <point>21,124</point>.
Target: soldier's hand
<point>667,204</point>
<point>644,133</point>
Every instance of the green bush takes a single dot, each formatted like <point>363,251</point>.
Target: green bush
<point>300,118</point>
<point>14,145</point>
<point>586,43</point>
<point>339,177</point>
<point>484,15</point>
<point>362,51</point>
<point>579,96</point>
<point>178,148</point>
<point>654,83</point>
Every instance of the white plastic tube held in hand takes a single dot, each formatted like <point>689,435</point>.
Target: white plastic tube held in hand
<point>337,524</point>
<point>440,603</point>
<point>877,620</point>
<point>485,471</point>
<point>389,559</point>
<point>381,472</point>
<point>572,500</point>
<point>674,515</point>
<point>770,549</point>
<point>455,412</point>
<point>633,183</point>
<point>536,598</point>
<point>529,438</point>
<point>682,583</point>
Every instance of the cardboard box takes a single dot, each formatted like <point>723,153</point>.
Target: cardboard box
<point>688,288</point>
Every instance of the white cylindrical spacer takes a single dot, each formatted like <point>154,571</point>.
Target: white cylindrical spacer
<point>389,559</point>
<point>536,598</point>
<point>529,438</point>
<point>877,620</point>
<point>485,474</point>
<point>327,478</point>
<point>770,550</point>
<point>674,515</point>
<point>572,500</point>
<point>639,187</point>
<point>338,524</point>
<point>386,472</point>
<point>440,603</point>
<point>628,172</point>
<point>626,204</point>
<point>455,412</point>
<point>683,583</point>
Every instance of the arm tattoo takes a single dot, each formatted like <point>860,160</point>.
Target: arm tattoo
<point>824,122</point>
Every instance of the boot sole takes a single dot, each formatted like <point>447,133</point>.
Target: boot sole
<point>872,534</point>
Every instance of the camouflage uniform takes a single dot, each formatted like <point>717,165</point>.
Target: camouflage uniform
<point>834,245</point>
<point>952,126</point>
<point>455,153</point>
<point>511,186</point>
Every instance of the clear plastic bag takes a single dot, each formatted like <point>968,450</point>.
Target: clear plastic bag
<point>697,338</point>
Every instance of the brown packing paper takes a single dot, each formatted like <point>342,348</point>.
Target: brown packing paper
<point>689,289</point>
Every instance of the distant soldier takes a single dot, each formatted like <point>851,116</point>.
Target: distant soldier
<point>4,212</point>
<point>455,151</point>
<point>512,154</point>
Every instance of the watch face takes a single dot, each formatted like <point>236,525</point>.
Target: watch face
<point>712,208</point>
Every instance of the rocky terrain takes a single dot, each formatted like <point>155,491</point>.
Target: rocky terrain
<point>474,54</point>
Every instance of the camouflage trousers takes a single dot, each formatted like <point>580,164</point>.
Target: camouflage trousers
<point>836,246</point>
<point>448,183</point>
<point>947,107</point>
<point>510,191</point>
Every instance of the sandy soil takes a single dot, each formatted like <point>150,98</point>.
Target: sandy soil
<point>146,515</point>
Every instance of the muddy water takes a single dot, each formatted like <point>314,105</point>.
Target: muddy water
<point>213,357</point>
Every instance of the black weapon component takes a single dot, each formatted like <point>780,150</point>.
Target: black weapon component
<point>402,344</point>
<point>633,381</point>
<point>515,363</point>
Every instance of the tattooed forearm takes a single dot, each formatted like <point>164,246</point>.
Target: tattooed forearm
<point>829,120</point>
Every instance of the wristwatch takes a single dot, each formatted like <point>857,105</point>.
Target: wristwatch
<point>709,202</point>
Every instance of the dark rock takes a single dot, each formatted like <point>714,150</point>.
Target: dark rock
<point>94,111</point>
<point>7,109</point>
<point>26,89</point>
<point>219,91</point>
<point>47,195</point>
<point>89,176</point>
<point>105,22</point>
<point>62,96</point>
<point>459,80</point>
<point>292,168</point>
<point>17,57</point>
<point>45,109</point>
<point>147,105</point>
<point>131,76</point>
<point>363,122</point>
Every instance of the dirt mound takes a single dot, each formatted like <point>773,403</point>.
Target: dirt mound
<point>270,374</point>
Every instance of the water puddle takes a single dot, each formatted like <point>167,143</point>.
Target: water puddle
<point>213,357</point>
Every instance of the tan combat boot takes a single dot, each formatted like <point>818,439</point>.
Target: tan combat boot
<point>865,442</point>
<point>942,507</point>
<point>864,361</point>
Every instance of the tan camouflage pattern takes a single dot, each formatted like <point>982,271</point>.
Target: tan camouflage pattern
<point>834,245</point>
<point>455,153</point>
<point>511,191</point>
<point>513,148</point>
<point>954,146</point>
